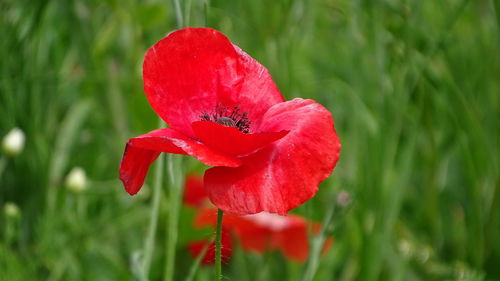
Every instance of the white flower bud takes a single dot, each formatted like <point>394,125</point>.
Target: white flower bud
<point>76,180</point>
<point>11,210</point>
<point>13,142</point>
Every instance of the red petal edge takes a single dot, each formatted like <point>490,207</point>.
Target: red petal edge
<point>194,69</point>
<point>230,140</point>
<point>141,151</point>
<point>285,174</point>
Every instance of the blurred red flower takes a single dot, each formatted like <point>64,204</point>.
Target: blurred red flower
<point>224,109</point>
<point>259,232</point>
<point>266,232</point>
<point>194,191</point>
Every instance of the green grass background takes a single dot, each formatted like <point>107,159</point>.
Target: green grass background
<point>413,85</point>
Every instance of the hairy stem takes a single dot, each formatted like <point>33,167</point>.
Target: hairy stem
<point>218,246</point>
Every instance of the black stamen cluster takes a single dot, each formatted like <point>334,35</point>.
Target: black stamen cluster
<point>221,113</point>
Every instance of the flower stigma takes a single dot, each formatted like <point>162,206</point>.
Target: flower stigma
<point>228,117</point>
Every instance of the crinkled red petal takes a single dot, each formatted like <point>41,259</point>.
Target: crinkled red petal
<point>194,69</point>
<point>230,140</point>
<point>141,151</point>
<point>286,173</point>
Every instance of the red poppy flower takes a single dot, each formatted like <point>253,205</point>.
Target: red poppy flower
<point>224,109</point>
<point>264,231</point>
<point>196,248</point>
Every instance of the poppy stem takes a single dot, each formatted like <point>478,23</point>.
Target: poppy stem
<point>194,267</point>
<point>178,14</point>
<point>218,244</point>
<point>153,219</point>
<point>3,163</point>
<point>174,166</point>
<point>206,6</point>
<point>317,245</point>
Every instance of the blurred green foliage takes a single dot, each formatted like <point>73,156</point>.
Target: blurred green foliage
<point>414,87</point>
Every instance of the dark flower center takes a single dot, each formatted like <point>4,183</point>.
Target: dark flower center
<point>228,117</point>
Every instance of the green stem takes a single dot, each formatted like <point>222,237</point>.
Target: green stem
<point>175,189</point>
<point>153,219</point>
<point>317,246</point>
<point>175,197</point>
<point>206,7</point>
<point>197,262</point>
<point>187,13</point>
<point>178,14</point>
<point>3,163</point>
<point>218,246</point>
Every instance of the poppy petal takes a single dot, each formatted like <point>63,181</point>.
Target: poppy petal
<point>134,167</point>
<point>287,234</point>
<point>141,151</point>
<point>230,140</point>
<point>293,242</point>
<point>286,173</point>
<point>252,235</point>
<point>264,231</point>
<point>207,217</point>
<point>193,69</point>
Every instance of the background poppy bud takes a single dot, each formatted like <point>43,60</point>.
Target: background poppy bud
<point>343,199</point>
<point>11,210</point>
<point>76,180</point>
<point>405,248</point>
<point>13,142</point>
<point>12,224</point>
